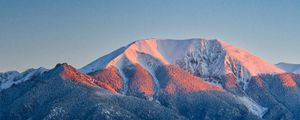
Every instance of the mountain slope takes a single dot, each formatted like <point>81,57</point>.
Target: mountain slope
<point>11,78</point>
<point>293,68</point>
<point>150,79</point>
<point>65,93</point>
<point>174,51</point>
<point>200,57</point>
<point>156,69</point>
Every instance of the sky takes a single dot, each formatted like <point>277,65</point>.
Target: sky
<point>42,33</point>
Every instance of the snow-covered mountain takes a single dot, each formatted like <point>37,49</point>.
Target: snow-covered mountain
<point>293,68</point>
<point>150,67</point>
<point>10,78</point>
<point>200,57</point>
<point>156,79</point>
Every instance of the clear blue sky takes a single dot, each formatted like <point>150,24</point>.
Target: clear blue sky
<point>37,33</point>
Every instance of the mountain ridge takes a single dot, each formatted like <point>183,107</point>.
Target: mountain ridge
<point>289,67</point>
<point>200,57</point>
<point>154,48</point>
<point>159,79</point>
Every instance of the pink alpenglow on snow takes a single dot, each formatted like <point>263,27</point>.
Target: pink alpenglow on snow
<point>171,51</point>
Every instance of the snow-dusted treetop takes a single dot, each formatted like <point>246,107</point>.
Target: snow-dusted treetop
<point>198,56</point>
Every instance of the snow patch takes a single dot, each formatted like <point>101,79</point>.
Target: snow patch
<point>241,74</point>
<point>125,81</point>
<point>119,66</point>
<point>56,113</point>
<point>150,64</point>
<point>156,82</point>
<point>252,106</point>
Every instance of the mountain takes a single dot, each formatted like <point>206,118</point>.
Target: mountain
<point>293,68</point>
<point>11,78</point>
<point>154,69</point>
<point>200,57</point>
<point>195,79</point>
<point>186,52</point>
<point>65,93</point>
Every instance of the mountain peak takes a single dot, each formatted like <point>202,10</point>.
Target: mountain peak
<point>62,65</point>
<point>11,78</point>
<point>68,72</point>
<point>169,51</point>
<point>154,47</point>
